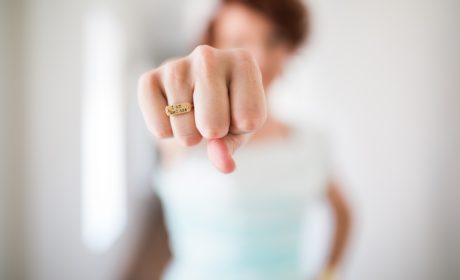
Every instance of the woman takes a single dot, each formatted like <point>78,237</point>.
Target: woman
<point>246,221</point>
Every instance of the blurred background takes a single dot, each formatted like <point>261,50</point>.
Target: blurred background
<point>76,161</point>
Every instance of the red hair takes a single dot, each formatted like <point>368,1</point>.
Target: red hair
<point>291,19</point>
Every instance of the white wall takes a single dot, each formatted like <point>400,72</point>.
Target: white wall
<point>381,75</point>
<point>52,94</point>
<point>11,128</point>
<point>384,77</point>
<point>4,181</point>
<point>54,50</point>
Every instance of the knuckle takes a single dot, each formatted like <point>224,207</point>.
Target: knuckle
<point>234,143</point>
<point>246,63</point>
<point>146,83</point>
<point>175,73</point>
<point>249,124</point>
<point>213,132</point>
<point>244,57</point>
<point>204,58</point>
<point>189,139</point>
<point>160,133</point>
<point>203,51</point>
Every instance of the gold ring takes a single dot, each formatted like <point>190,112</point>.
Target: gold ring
<point>177,109</point>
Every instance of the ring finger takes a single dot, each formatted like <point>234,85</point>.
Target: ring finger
<point>178,88</point>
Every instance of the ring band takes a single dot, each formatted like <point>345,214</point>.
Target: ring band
<point>177,109</point>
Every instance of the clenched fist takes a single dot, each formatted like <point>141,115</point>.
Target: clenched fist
<point>225,87</point>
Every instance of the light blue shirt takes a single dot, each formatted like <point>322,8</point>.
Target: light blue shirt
<point>247,224</point>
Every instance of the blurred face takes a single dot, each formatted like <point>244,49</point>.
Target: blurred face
<point>238,26</point>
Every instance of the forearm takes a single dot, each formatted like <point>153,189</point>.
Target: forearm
<point>342,230</point>
<point>342,219</point>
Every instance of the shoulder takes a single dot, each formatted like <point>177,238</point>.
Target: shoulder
<point>313,134</point>
<point>316,143</point>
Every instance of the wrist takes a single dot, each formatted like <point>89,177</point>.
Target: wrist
<point>329,273</point>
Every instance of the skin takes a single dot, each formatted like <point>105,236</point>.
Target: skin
<point>228,85</point>
<point>226,89</point>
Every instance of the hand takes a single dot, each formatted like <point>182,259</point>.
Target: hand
<point>328,273</point>
<point>225,87</point>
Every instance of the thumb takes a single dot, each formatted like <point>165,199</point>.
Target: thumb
<point>220,151</point>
